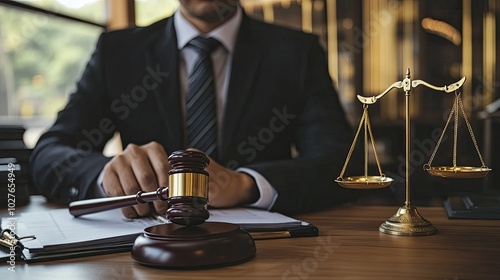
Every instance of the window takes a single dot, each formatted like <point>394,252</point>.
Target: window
<point>90,10</point>
<point>150,11</point>
<point>41,58</point>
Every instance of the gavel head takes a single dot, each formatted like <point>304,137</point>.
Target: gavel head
<point>188,188</point>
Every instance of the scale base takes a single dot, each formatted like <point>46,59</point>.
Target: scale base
<point>407,222</point>
<point>193,247</point>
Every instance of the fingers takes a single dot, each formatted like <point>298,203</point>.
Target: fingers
<point>159,161</point>
<point>223,186</point>
<point>138,168</point>
<point>112,183</point>
<point>228,188</point>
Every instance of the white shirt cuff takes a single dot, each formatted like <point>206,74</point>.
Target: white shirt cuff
<point>268,194</point>
<point>98,190</point>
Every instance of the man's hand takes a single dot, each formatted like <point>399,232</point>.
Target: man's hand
<point>137,168</point>
<point>229,188</point>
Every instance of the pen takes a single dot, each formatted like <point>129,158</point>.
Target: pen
<point>270,234</point>
<point>302,231</point>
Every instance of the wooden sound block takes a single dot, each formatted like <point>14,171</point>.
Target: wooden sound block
<point>207,245</point>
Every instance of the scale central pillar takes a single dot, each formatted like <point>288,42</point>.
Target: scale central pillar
<point>407,221</point>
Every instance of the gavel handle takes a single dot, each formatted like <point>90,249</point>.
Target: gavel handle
<point>89,206</point>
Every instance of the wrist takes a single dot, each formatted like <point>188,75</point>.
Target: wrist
<point>250,192</point>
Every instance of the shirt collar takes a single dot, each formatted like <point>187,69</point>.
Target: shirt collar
<point>226,33</point>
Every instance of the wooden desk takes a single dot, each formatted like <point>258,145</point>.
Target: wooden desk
<point>349,247</point>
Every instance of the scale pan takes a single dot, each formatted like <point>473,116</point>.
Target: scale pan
<point>458,171</point>
<point>365,182</point>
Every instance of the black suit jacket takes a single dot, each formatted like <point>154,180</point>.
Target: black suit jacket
<point>280,95</point>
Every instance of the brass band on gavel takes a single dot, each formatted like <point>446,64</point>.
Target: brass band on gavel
<point>188,184</point>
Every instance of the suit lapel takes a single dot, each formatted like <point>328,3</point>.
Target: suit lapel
<point>246,58</point>
<point>164,56</point>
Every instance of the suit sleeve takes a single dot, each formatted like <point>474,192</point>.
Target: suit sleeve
<point>323,137</point>
<point>68,157</point>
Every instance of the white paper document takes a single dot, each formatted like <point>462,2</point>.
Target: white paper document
<point>58,231</point>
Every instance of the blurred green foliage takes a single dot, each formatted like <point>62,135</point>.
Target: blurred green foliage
<point>43,57</point>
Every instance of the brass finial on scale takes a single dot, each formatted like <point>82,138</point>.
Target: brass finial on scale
<point>407,221</point>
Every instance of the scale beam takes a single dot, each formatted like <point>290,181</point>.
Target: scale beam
<point>449,88</point>
<point>373,99</point>
<point>400,84</point>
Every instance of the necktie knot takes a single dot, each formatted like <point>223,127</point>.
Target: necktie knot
<point>205,45</point>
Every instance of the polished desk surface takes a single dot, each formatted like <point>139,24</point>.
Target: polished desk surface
<point>349,247</point>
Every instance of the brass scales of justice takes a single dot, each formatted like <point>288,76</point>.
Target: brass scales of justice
<point>407,221</point>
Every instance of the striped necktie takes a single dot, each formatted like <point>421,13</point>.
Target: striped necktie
<point>201,111</point>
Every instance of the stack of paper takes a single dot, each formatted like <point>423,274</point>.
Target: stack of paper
<point>60,235</point>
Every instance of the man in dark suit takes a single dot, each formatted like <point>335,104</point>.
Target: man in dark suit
<point>273,93</point>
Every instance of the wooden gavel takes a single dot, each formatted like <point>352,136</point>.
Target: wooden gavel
<point>186,194</point>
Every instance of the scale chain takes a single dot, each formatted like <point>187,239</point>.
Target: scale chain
<point>454,113</point>
<point>469,127</point>
<point>349,154</point>
<point>455,131</point>
<point>428,165</point>
<point>365,122</point>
